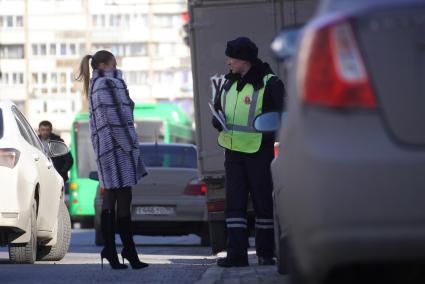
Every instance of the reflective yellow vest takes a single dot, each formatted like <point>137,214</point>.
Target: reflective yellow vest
<point>240,109</point>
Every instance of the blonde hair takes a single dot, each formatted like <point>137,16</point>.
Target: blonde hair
<point>84,74</point>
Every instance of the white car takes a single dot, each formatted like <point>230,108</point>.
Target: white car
<point>34,221</point>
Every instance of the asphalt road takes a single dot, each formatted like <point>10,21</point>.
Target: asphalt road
<point>171,260</point>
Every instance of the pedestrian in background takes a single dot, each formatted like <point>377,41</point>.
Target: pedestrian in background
<point>251,88</point>
<point>116,148</point>
<point>63,163</point>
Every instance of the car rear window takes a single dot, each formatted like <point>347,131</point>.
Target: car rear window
<point>169,156</point>
<point>1,124</point>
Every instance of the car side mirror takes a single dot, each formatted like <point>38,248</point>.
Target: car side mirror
<point>268,122</point>
<point>94,175</point>
<point>57,148</point>
<point>285,43</point>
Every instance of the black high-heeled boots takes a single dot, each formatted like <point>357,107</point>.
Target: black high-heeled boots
<point>109,252</point>
<point>129,248</point>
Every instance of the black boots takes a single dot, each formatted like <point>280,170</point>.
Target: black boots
<point>109,252</point>
<point>129,248</point>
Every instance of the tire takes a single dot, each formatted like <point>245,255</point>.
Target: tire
<point>281,246</point>
<point>98,238</point>
<point>205,236</point>
<point>59,250</point>
<point>217,236</point>
<point>26,253</point>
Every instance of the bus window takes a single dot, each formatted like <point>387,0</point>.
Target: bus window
<point>86,161</point>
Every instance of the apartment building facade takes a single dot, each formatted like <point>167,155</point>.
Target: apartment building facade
<point>43,41</point>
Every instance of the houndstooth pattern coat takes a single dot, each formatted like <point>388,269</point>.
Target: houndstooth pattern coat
<point>113,135</point>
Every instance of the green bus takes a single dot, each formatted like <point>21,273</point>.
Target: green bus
<point>164,123</point>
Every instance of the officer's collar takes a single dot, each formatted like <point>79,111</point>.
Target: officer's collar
<point>254,76</point>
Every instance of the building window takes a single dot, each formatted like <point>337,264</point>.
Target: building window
<point>163,21</point>
<point>95,19</point>
<point>137,49</point>
<point>12,51</point>
<point>43,49</point>
<point>63,49</point>
<point>53,49</point>
<point>14,78</point>
<point>9,21</point>
<point>165,49</point>
<point>34,78</point>
<point>72,49</point>
<point>165,78</point>
<point>19,21</point>
<point>140,20</point>
<point>126,21</point>
<point>21,78</point>
<point>136,77</point>
<point>34,48</point>
<point>54,78</point>
<point>44,78</point>
<point>103,21</point>
<point>62,78</point>
<point>82,48</point>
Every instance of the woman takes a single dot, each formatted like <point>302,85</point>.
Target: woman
<point>116,149</point>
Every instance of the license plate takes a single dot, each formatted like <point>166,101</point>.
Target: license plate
<point>154,210</point>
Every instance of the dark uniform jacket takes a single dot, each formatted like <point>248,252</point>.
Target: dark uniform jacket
<point>64,163</point>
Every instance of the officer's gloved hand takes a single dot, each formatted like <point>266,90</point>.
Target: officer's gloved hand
<point>216,124</point>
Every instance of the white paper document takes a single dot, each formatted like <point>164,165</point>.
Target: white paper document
<point>220,117</point>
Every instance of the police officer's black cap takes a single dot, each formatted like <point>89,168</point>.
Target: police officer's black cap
<point>242,48</point>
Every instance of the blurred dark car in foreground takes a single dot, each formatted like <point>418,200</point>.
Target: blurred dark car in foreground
<point>170,200</point>
<point>350,176</point>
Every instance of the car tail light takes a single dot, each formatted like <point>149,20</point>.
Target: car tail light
<point>276,149</point>
<point>75,126</point>
<point>102,190</point>
<point>331,68</point>
<point>9,157</point>
<point>216,206</point>
<point>195,187</point>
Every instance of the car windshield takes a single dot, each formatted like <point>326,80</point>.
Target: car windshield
<point>169,156</point>
<point>86,160</point>
<point>1,124</point>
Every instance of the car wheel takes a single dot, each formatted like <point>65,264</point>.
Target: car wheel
<point>217,235</point>
<point>281,247</point>
<point>205,236</point>
<point>26,253</point>
<point>59,250</point>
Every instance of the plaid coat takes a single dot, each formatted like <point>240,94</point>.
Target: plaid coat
<point>113,135</point>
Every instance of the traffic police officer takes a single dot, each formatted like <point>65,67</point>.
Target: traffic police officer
<point>251,88</point>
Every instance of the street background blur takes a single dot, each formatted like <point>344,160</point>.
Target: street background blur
<point>43,41</point>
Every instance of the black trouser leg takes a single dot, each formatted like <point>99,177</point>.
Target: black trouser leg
<point>236,206</point>
<point>261,187</point>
